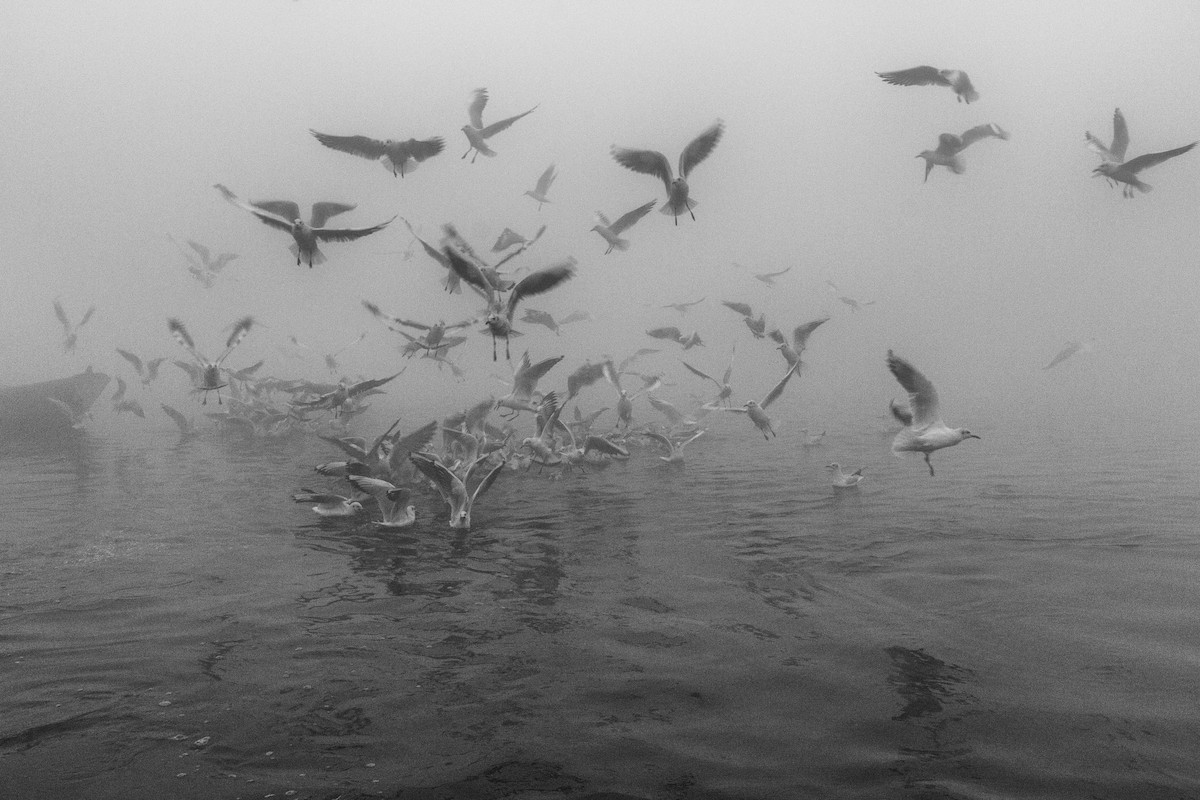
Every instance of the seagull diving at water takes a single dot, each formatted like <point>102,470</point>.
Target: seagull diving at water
<point>924,430</point>
<point>393,501</point>
<point>285,216</point>
<point>949,146</point>
<point>453,489</point>
<point>477,133</point>
<point>652,162</point>
<point>397,157</point>
<point>674,454</point>
<point>956,79</point>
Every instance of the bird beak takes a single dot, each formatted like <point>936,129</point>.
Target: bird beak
<point>973,436</point>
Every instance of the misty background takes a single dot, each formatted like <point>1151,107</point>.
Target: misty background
<point>120,116</point>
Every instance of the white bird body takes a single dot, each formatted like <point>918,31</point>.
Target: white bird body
<point>393,501</point>
<point>454,489</point>
<point>477,133</point>
<point>956,79</point>
<point>757,411</point>
<point>925,432</point>
<point>843,479</point>
<point>328,504</point>
<point>544,183</point>
<point>950,145</point>
<point>674,454</point>
<point>652,162</point>
<point>611,231</point>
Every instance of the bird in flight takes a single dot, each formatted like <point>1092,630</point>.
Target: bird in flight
<point>611,231</point>
<point>950,145</point>
<point>924,430</point>
<point>476,132</point>
<point>956,79</point>
<point>652,162</point>
<point>397,157</point>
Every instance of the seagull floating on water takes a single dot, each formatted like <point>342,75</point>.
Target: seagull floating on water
<point>652,162</point>
<point>956,79</point>
<point>843,479</point>
<point>328,504</point>
<point>477,133</point>
<point>397,157</point>
<point>284,215</point>
<point>924,430</point>
<point>949,146</point>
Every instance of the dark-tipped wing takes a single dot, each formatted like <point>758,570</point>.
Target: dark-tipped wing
<point>366,386</point>
<point>421,149</point>
<point>132,359</point>
<point>346,234</point>
<point>184,338</point>
<point>699,148</point>
<point>325,210</point>
<point>435,471</point>
<point>922,397</point>
<point>541,281</point>
<point>916,76</point>
<point>264,214</point>
<point>647,162</point>
<point>1150,159</point>
<point>626,220</point>
<point>361,146</point>
<point>583,377</point>
<point>704,375</point>
<point>600,444</point>
<point>240,329</point>
<point>284,209</point>
<point>504,124</point>
<point>468,271</point>
<point>546,180</point>
<point>741,308</point>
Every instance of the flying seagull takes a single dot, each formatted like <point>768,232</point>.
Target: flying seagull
<point>1126,173</point>
<point>71,331</point>
<point>285,216</point>
<point>925,431</point>
<point>543,186</point>
<point>949,146</point>
<point>397,157</point>
<point>206,373</point>
<point>757,410</point>
<point>956,79</point>
<point>477,133</point>
<point>652,162</point>
<point>611,231</point>
<point>1115,152</point>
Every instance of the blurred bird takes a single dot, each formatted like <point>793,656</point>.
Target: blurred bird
<point>949,146</point>
<point>543,186</point>
<point>454,489</point>
<point>343,394</point>
<point>956,79</point>
<point>652,162</point>
<point>792,351</point>
<point>285,216</point>
<point>624,399</point>
<point>475,131</point>
<point>769,277</point>
<point>393,501</point>
<point>207,375</point>
<point>756,411</point>
<point>397,157</point>
<point>1115,152</point>
<point>525,380</point>
<point>925,431</point>
<point>1069,350</point>
<point>500,313</point>
<point>328,504</point>
<point>611,231</point>
<point>724,390</point>
<point>147,371</point>
<point>208,267</point>
<point>674,454</point>
<point>71,331</point>
<point>121,404</point>
<point>682,308</point>
<point>673,334</point>
<point>757,325</point>
<point>1126,173</point>
<point>187,428</point>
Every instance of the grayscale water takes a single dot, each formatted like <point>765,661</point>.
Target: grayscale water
<point>1022,625</point>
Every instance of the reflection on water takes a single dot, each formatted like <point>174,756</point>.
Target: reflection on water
<point>173,623</point>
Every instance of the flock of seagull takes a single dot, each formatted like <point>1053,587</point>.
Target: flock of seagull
<point>463,455</point>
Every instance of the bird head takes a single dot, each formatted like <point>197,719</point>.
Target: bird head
<point>355,506</point>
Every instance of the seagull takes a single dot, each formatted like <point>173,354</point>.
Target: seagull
<point>723,388</point>
<point>757,411</point>
<point>812,439</point>
<point>397,157</point>
<point>543,186</point>
<point>454,489</point>
<point>435,334</point>
<point>757,325</point>
<point>507,238</point>
<point>949,146</point>
<point>611,231</point>
<point>206,269</point>
<point>682,308</point>
<point>208,375</point>
<point>1070,349</point>
<point>343,393</point>
<point>500,313</point>
<point>624,399</point>
<point>925,431</point>
<point>1126,173</point>
<point>328,504</point>
<point>393,501</point>
<point>1115,152</point>
<point>674,454</point>
<point>475,131</point>
<point>71,413</point>
<point>147,371</point>
<point>652,162</point>
<point>675,335</point>
<point>843,479</point>
<point>792,352</point>
<point>285,215</point>
<point>769,277</point>
<point>525,380</point>
<point>71,332</point>
<point>956,79</point>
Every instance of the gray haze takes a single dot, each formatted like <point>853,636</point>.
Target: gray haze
<point>120,116</point>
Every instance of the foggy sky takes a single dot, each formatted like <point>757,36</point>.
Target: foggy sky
<point>121,116</point>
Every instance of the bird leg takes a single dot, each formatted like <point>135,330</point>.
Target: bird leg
<point>506,353</point>
<point>930,463</point>
<point>493,347</point>
<point>464,155</point>
<point>693,213</point>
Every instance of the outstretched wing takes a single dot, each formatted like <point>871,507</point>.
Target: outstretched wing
<point>240,329</point>
<point>916,76</point>
<point>546,180</point>
<point>184,338</point>
<point>741,308</point>
<point>346,234</point>
<point>271,212</point>
<point>1151,159</point>
<point>647,162</point>
<point>504,124</point>
<point>773,395</point>
<point>1120,141</point>
<point>62,316</point>
<point>540,282</point>
<point>180,419</point>
<point>626,220</point>
<point>475,110</point>
<point>699,148</point>
<point>324,210</point>
<point>361,146</point>
<point>132,359</point>
<point>922,397</point>
<point>488,479</point>
<point>665,333</point>
<point>984,131</point>
<point>704,375</point>
<point>802,332</point>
